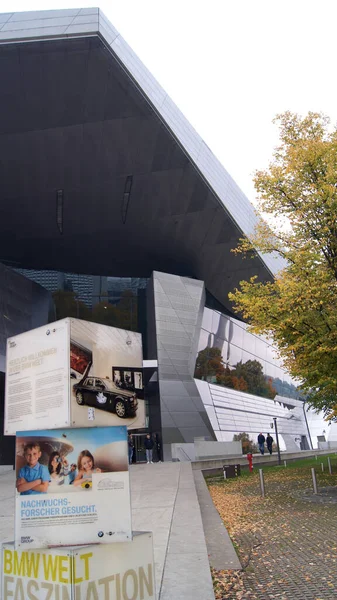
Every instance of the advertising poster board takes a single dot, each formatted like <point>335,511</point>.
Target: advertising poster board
<point>110,572</point>
<point>74,373</point>
<point>72,484</point>
<point>106,376</point>
<point>37,379</point>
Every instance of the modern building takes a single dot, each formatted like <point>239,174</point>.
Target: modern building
<point>102,175</point>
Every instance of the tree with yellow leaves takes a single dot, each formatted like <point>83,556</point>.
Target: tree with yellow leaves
<point>298,310</point>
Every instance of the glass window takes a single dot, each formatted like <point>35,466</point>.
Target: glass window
<point>260,349</point>
<point>235,355</point>
<point>247,356</point>
<point>236,334</point>
<point>217,320</point>
<point>203,340</point>
<point>207,319</point>
<point>224,352</point>
<point>248,342</point>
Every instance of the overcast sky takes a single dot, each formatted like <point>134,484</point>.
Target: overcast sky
<point>230,66</point>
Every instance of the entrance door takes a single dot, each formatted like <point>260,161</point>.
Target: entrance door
<point>304,443</point>
<point>139,453</point>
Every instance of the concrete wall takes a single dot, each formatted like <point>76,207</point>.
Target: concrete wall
<point>216,449</point>
<point>201,450</point>
<point>327,445</point>
<point>258,460</point>
<point>183,452</point>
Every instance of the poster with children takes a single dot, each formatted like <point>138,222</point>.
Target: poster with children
<point>72,487</point>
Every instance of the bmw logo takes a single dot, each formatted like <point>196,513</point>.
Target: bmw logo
<point>100,534</point>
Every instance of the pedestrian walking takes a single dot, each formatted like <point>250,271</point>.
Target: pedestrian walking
<point>149,443</point>
<point>131,448</point>
<point>261,441</point>
<point>269,443</point>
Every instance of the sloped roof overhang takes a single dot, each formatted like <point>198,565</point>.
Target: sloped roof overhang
<point>100,172</point>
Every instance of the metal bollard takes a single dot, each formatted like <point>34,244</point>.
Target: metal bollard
<point>261,483</point>
<point>285,463</point>
<point>329,465</point>
<point>322,467</point>
<point>314,481</point>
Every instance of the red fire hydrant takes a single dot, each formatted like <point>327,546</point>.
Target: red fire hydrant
<point>250,461</point>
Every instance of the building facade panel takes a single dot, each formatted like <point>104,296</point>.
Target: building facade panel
<point>179,394</point>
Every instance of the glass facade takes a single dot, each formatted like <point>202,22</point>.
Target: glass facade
<point>231,356</point>
<point>24,305</point>
<point>244,387</point>
<point>108,300</point>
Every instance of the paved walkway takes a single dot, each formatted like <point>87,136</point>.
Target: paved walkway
<point>164,501</point>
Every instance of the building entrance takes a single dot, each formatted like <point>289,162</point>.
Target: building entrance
<point>139,455</point>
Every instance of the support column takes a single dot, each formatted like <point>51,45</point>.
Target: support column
<point>178,304</point>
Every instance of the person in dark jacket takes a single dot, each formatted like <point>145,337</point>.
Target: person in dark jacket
<point>261,440</point>
<point>269,443</point>
<point>131,448</point>
<point>149,443</point>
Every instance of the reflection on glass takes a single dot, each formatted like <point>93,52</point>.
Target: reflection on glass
<point>216,323</point>
<point>237,336</point>
<point>247,442</point>
<point>102,299</point>
<point>207,319</point>
<point>235,355</point>
<point>203,340</point>
<point>260,349</point>
<point>220,326</point>
<point>232,357</point>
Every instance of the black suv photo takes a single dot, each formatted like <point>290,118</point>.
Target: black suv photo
<point>106,395</point>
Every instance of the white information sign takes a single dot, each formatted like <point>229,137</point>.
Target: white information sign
<point>113,572</point>
<point>74,373</point>
<point>37,379</point>
<point>72,484</point>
